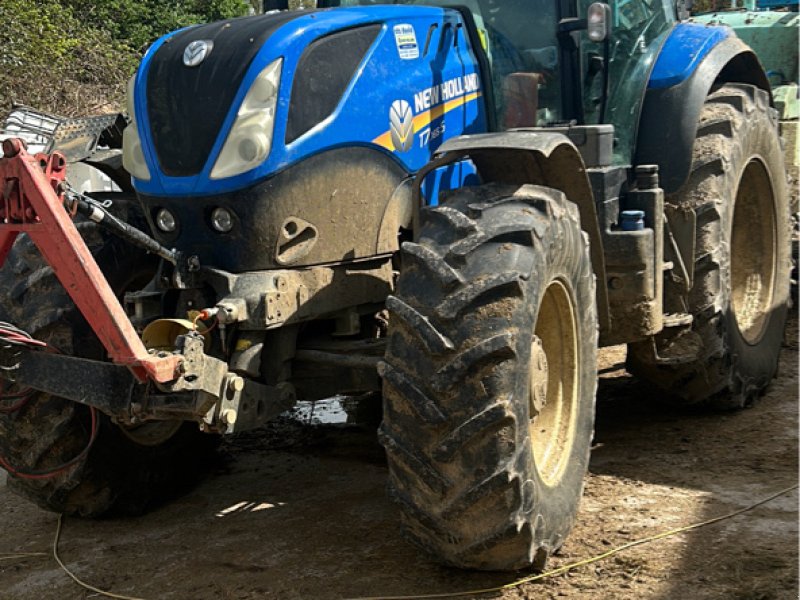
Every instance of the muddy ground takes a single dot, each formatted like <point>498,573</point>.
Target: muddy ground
<point>299,511</point>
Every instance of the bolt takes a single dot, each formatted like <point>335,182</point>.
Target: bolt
<point>646,176</point>
<point>538,377</point>
<point>57,162</point>
<point>193,264</point>
<point>236,384</point>
<point>229,416</point>
<point>615,283</point>
<point>11,147</point>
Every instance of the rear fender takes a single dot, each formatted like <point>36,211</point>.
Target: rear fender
<point>693,59</point>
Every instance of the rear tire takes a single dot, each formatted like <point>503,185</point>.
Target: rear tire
<point>740,291</point>
<point>493,321</point>
<point>125,471</point>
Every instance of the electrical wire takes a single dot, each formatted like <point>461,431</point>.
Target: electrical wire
<point>209,329</point>
<point>11,335</point>
<point>23,397</point>
<point>75,578</point>
<point>16,395</point>
<point>14,339</point>
<point>204,316</point>
<point>586,561</point>
<point>513,584</point>
<point>19,555</point>
<point>50,473</point>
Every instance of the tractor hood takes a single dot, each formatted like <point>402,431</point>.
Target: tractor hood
<point>219,107</point>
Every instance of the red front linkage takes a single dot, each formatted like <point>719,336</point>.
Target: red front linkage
<point>32,202</point>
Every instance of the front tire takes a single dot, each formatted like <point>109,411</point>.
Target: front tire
<point>490,377</point>
<point>126,470</point>
<point>740,292</point>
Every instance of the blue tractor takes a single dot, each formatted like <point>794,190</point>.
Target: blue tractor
<point>454,202</point>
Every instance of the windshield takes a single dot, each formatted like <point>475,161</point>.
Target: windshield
<point>639,27</point>
<point>519,39</point>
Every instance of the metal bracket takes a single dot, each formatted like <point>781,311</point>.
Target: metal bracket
<point>681,225</point>
<point>245,404</point>
<point>105,386</point>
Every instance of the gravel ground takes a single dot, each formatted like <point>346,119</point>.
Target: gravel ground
<point>300,511</point>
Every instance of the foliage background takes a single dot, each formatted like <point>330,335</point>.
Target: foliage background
<point>73,57</point>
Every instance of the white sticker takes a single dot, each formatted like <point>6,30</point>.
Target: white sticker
<point>406,41</point>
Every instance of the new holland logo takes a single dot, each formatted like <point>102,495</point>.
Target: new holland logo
<point>196,52</point>
<point>401,125</point>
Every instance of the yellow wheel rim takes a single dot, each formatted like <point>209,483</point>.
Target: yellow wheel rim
<point>553,387</point>
<point>753,249</point>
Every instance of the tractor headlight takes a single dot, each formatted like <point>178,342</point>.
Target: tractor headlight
<point>250,139</point>
<point>132,154</point>
<point>166,221</point>
<point>222,220</point>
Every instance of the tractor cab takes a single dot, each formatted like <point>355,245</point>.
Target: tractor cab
<point>559,63</point>
<point>520,60</point>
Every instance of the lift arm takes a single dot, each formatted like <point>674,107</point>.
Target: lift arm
<point>32,202</point>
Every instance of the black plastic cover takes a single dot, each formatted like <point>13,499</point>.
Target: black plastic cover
<point>187,105</point>
<point>325,69</point>
<point>348,222</point>
<point>668,125</point>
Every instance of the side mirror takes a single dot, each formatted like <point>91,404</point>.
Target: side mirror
<point>598,21</point>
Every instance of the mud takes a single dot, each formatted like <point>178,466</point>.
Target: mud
<point>299,510</point>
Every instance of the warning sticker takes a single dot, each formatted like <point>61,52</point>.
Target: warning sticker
<point>406,41</point>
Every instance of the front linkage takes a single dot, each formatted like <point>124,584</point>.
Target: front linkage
<point>140,384</point>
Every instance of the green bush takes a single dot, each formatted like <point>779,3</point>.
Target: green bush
<point>73,57</point>
<point>136,23</point>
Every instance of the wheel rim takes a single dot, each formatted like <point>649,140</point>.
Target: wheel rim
<point>553,386</point>
<point>151,434</point>
<point>753,263</point>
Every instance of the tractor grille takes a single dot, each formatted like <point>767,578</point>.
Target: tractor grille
<point>187,105</point>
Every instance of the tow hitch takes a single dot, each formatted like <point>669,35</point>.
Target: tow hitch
<point>139,384</point>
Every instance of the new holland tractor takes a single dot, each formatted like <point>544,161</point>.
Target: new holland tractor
<point>455,203</point>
